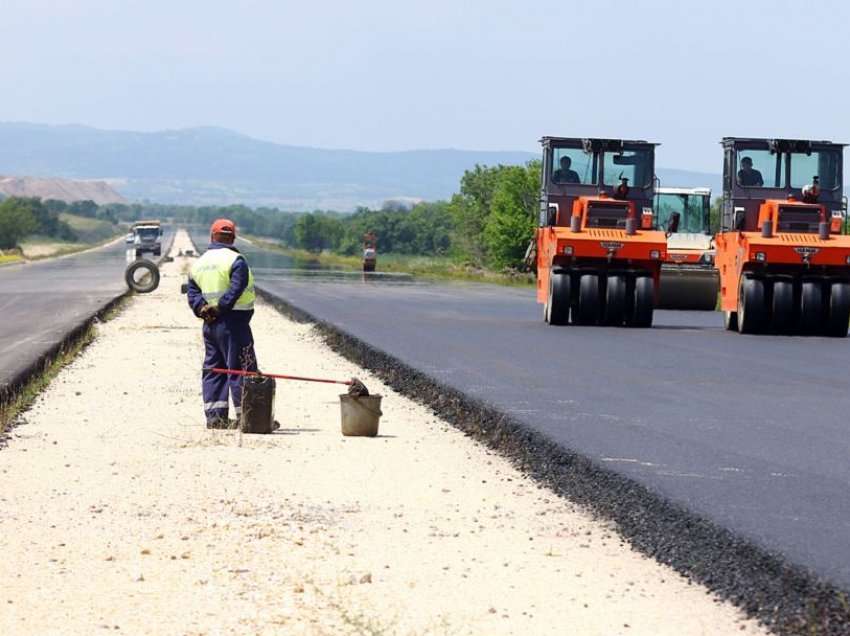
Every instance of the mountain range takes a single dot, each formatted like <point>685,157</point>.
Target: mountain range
<point>215,166</point>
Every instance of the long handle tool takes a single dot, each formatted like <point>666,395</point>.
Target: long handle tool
<point>355,386</point>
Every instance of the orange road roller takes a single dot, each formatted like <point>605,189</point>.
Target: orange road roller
<point>598,250</point>
<point>784,261</point>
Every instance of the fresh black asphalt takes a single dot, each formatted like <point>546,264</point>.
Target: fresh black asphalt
<point>42,302</point>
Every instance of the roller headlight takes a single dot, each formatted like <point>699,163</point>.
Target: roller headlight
<point>761,257</point>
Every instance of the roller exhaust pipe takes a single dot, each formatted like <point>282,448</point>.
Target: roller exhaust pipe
<point>575,224</point>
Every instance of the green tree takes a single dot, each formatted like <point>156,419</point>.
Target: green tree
<point>16,222</point>
<point>510,224</point>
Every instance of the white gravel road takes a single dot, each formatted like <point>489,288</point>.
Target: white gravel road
<point>120,512</point>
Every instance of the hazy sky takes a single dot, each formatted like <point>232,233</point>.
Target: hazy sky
<point>396,74</point>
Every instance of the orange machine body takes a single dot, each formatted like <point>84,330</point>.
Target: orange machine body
<point>781,252</point>
<point>596,247</point>
<point>784,263</point>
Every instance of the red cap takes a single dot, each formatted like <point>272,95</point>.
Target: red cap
<point>223,226</point>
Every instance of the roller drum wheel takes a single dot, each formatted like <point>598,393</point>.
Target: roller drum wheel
<point>558,303</point>
<point>588,300</point>
<point>615,301</point>
<point>782,306</point>
<point>644,303</point>
<point>811,307</point>
<point>752,306</point>
<point>838,316</point>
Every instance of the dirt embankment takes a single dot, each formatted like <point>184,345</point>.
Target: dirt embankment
<point>68,190</point>
<point>120,511</point>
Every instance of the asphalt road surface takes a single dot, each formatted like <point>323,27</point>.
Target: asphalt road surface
<point>41,302</point>
<point>751,431</point>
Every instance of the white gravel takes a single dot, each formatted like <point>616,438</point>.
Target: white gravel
<point>120,512</point>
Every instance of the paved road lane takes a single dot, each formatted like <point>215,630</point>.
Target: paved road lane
<point>41,302</point>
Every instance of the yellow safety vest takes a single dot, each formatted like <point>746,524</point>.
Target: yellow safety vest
<point>211,272</point>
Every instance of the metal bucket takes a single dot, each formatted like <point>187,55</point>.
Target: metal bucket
<point>360,415</point>
<point>258,405</point>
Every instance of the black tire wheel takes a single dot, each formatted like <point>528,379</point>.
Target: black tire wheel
<point>588,300</point>
<point>838,317</point>
<point>752,306</point>
<point>615,301</point>
<point>730,320</point>
<point>138,281</point>
<point>644,303</point>
<point>782,306</point>
<point>811,307</point>
<point>558,303</point>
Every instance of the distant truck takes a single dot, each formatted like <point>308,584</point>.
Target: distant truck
<point>146,236</point>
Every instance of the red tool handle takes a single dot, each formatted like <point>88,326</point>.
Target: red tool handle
<point>277,376</point>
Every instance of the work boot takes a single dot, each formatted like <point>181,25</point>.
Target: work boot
<point>218,423</point>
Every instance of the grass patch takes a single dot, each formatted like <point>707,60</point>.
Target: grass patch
<point>10,258</point>
<point>438,267</point>
<point>90,230</point>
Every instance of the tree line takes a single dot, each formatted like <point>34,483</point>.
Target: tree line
<point>21,217</point>
<point>488,223</point>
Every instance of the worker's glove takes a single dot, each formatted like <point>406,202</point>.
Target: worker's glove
<point>209,313</point>
<point>212,313</point>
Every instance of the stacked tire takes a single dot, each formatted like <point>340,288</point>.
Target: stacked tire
<point>593,298</point>
<point>815,306</point>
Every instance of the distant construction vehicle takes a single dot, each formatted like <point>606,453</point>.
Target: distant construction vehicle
<point>598,253</point>
<point>689,279</point>
<point>784,264</point>
<point>370,252</point>
<point>146,237</point>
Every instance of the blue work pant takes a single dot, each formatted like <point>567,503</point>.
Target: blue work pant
<point>228,344</point>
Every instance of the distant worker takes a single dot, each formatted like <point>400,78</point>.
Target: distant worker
<point>748,176</point>
<point>564,174</point>
<point>221,292</point>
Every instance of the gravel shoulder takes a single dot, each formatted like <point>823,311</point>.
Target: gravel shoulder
<point>120,511</point>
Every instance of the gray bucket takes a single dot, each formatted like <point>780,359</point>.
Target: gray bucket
<point>360,415</point>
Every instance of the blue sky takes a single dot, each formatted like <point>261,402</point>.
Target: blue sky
<point>395,74</point>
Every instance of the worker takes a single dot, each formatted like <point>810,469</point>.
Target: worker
<point>221,292</point>
<point>564,174</point>
<point>748,176</point>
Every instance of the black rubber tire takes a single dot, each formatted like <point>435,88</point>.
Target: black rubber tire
<point>752,306</point>
<point>811,307</point>
<point>615,301</point>
<point>642,303</point>
<point>558,303</point>
<point>147,286</point>
<point>730,320</point>
<point>838,317</point>
<point>782,316</point>
<point>588,300</point>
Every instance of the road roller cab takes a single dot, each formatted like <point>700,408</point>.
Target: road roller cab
<point>688,277</point>
<point>784,263</point>
<point>599,253</point>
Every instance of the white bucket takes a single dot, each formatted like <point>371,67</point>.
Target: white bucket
<point>360,415</point>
